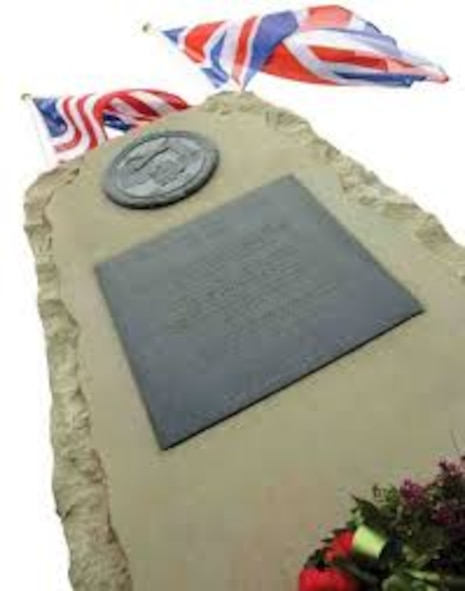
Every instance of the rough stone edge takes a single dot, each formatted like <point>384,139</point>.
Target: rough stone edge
<point>359,184</point>
<point>97,561</point>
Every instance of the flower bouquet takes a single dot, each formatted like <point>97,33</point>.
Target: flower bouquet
<point>407,538</point>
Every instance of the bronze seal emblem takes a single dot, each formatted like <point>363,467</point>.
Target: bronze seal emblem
<point>160,168</point>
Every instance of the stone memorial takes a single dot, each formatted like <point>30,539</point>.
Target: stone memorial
<point>226,368</point>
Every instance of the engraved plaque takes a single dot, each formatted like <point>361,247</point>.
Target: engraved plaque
<point>234,306</point>
<point>160,169</point>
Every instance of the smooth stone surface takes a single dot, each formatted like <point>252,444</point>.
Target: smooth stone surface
<point>236,305</point>
<point>240,507</point>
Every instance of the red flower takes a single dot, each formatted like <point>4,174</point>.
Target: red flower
<point>313,579</point>
<point>341,546</point>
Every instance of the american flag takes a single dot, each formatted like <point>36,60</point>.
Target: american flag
<point>322,44</point>
<point>76,124</point>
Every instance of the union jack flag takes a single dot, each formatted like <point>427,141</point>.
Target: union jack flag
<point>322,44</point>
<point>76,124</point>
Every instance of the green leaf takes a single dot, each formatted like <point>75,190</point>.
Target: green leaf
<point>316,559</point>
<point>361,574</point>
<point>402,582</point>
<point>370,514</point>
<point>397,583</point>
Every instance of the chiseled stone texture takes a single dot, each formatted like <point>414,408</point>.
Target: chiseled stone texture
<point>98,560</point>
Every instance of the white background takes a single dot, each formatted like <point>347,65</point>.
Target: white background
<point>412,138</point>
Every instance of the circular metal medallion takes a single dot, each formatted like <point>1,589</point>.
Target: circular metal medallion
<point>160,168</point>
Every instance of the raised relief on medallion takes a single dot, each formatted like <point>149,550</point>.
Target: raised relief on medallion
<point>160,168</point>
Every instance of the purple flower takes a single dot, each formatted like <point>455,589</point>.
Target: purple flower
<point>414,494</point>
<point>445,516</point>
<point>450,469</point>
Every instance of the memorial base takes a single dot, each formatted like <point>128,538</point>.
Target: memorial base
<point>237,507</point>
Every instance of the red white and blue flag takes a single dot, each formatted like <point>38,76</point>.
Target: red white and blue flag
<point>323,45</point>
<point>76,124</point>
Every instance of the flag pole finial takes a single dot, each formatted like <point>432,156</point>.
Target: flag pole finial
<point>49,159</point>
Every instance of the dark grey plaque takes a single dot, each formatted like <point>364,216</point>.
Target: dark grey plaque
<point>160,168</point>
<point>236,305</point>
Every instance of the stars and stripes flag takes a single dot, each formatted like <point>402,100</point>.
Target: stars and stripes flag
<point>76,124</point>
<point>323,44</point>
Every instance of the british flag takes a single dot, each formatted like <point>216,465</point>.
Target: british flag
<point>322,44</point>
<point>76,124</point>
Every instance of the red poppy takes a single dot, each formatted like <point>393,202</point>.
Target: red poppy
<point>341,546</point>
<point>313,579</point>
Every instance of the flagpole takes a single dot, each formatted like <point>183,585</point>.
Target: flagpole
<point>50,161</point>
<point>148,28</point>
